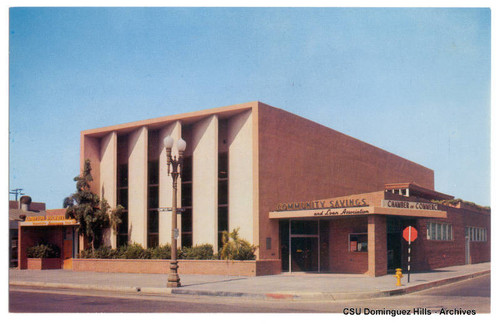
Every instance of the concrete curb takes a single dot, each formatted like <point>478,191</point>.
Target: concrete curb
<point>436,283</point>
<point>273,296</point>
<point>91,287</point>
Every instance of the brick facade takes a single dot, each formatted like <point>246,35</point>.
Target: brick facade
<point>377,245</point>
<point>342,260</point>
<point>432,254</point>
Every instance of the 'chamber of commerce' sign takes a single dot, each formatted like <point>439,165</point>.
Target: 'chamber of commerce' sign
<point>409,205</point>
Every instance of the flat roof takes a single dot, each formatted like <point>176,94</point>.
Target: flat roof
<point>187,118</point>
<point>419,191</point>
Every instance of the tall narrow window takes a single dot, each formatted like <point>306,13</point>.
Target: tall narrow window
<point>122,187</point>
<point>153,187</point>
<point>187,202</point>
<point>122,199</point>
<point>223,176</point>
<point>153,197</point>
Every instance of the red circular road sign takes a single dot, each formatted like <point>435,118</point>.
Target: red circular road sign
<point>406,233</point>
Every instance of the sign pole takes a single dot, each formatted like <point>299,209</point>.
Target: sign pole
<point>409,236</point>
<point>409,253</point>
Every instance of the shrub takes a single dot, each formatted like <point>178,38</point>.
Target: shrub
<point>134,251</point>
<point>103,252</point>
<point>246,251</point>
<point>43,251</point>
<point>161,252</point>
<point>235,248</point>
<point>86,254</point>
<point>198,252</point>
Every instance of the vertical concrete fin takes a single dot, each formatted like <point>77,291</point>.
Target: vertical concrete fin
<point>205,182</point>
<point>107,179</point>
<point>240,175</point>
<point>91,150</point>
<point>138,193</point>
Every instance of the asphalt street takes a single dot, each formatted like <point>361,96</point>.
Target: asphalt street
<point>469,295</point>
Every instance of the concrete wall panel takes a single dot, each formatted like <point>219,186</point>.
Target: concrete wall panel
<point>138,194</point>
<point>107,179</point>
<point>90,147</point>
<point>240,175</point>
<point>205,159</point>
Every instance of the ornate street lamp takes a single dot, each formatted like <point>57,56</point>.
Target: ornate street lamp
<point>176,163</point>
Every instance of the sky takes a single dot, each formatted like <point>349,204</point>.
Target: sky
<point>414,82</point>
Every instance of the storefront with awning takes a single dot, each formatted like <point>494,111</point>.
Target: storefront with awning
<point>353,234</point>
<point>52,228</point>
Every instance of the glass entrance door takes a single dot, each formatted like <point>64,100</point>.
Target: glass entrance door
<point>304,253</point>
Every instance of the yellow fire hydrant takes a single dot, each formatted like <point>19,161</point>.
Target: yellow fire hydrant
<point>398,275</point>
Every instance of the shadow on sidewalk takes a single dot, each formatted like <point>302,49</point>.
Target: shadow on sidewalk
<point>211,282</point>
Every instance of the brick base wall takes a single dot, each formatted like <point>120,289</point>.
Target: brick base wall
<point>43,264</point>
<point>213,267</point>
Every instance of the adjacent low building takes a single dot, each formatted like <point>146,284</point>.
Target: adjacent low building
<point>18,211</point>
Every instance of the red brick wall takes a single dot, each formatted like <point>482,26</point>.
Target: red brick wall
<point>56,212</point>
<point>219,267</point>
<point>432,254</point>
<point>42,264</point>
<point>341,259</point>
<point>377,245</point>
<point>301,160</point>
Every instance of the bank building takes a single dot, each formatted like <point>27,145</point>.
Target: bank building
<point>311,198</point>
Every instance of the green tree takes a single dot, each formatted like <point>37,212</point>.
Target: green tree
<point>92,213</point>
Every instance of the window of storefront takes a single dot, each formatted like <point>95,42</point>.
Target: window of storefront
<point>358,242</point>
<point>476,234</point>
<point>439,231</point>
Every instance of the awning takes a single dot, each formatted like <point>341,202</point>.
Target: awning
<point>58,220</point>
<point>357,206</point>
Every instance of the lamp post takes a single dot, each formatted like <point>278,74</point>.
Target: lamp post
<point>176,163</point>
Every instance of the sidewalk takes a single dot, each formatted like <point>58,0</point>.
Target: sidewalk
<point>284,286</point>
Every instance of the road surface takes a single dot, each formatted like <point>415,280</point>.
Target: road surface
<point>471,295</point>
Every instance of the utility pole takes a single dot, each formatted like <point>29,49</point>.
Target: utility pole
<point>16,192</point>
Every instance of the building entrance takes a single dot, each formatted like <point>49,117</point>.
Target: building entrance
<point>394,237</point>
<point>393,251</point>
<point>304,253</point>
<point>304,245</point>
